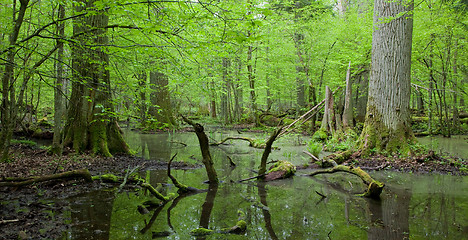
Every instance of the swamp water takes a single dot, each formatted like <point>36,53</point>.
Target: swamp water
<point>412,206</point>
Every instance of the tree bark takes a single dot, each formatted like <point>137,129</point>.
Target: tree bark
<point>90,122</point>
<point>59,87</point>
<point>387,126</point>
<point>348,106</point>
<point>251,77</point>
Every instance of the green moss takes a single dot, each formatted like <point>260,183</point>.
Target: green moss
<point>201,232</point>
<point>242,225</point>
<point>286,166</point>
<point>107,178</point>
<point>320,135</point>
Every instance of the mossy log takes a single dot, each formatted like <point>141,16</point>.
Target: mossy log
<point>374,187</point>
<point>75,174</point>
<point>252,142</point>
<point>280,170</point>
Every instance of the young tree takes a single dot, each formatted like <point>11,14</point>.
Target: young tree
<point>90,123</point>
<point>8,107</point>
<point>387,126</point>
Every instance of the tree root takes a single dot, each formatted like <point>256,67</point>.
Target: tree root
<point>374,187</point>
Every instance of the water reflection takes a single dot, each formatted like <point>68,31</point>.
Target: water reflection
<point>411,206</point>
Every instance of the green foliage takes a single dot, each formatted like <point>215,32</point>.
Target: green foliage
<point>25,142</point>
<point>320,135</point>
<point>341,142</point>
<point>314,147</point>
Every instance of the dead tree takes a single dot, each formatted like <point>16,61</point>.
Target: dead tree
<point>205,150</point>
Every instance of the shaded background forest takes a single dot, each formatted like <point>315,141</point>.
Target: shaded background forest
<point>234,61</point>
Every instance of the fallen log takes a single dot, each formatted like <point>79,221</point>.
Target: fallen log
<point>76,174</point>
<point>374,187</point>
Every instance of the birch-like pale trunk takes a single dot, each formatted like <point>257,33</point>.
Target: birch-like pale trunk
<point>387,126</point>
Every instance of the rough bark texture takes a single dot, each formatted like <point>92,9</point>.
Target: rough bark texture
<point>387,126</point>
<point>90,125</point>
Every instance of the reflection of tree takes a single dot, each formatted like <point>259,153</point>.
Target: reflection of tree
<point>91,213</point>
<point>158,146</point>
<point>153,218</point>
<point>208,205</point>
<point>266,213</point>
<point>389,218</point>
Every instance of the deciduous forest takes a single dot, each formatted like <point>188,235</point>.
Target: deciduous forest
<point>337,110</point>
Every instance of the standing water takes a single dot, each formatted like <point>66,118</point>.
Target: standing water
<point>429,206</point>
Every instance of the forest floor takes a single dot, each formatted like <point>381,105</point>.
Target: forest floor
<point>29,213</point>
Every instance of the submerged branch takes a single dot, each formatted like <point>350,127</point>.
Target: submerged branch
<point>252,142</point>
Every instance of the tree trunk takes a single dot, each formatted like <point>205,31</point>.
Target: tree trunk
<point>161,108</point>
<point>348,106</point>
<point>142,82</point>
<point>300,86</point>
<point>361,96</point>
<point>8,105</point>
<point>251,76</point>
<point>59,88</point>
<point>90,122</point>
<point>387,126</point>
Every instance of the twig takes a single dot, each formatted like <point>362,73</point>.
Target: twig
<point>320,194</point>
<point>8,221</point>
<point>311,155</point>
<point>250,178</point>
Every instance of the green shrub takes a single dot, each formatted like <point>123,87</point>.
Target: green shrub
<point>314,147</point>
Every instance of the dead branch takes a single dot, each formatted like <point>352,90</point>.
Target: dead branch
<point>267,150</point>
<point>251,141</point>
<point>205,150</point>
<point>182,188</point>
<point>374,187</point>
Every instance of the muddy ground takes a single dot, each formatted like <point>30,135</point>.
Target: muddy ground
<point>28,213</point>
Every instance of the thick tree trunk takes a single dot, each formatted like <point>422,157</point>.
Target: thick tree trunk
<point>90,125</point>
<point>361,96</point>
<point>161,108</point>
<point>387,126</point>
